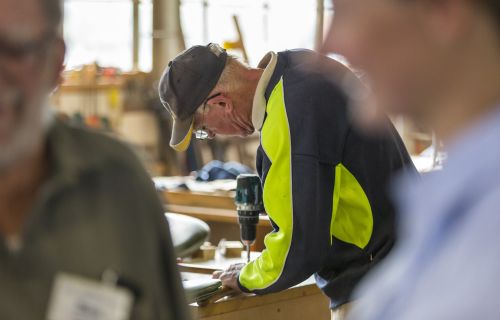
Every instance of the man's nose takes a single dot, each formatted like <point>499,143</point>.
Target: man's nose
<point>343,41</point>
<point>327,46</point>
<point>331,43</point>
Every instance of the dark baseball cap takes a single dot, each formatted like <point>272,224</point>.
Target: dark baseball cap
<point>186,83</point>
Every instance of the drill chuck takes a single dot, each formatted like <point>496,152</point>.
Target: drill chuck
<point>248,225</point>
<point>249,205</point>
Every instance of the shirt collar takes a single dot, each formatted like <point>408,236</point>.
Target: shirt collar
<point>259,100</point>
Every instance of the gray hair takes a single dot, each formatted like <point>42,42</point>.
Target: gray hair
<point>231,76</point>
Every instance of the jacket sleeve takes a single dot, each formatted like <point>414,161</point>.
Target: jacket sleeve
<point>297,191</point>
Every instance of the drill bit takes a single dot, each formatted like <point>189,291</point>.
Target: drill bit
<point>248,252</point>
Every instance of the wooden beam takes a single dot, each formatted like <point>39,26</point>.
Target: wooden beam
<point>135,35</point>
<point>320,16</point>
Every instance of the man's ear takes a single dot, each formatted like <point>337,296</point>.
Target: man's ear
<point>223,101</point>
<point>59,53</point>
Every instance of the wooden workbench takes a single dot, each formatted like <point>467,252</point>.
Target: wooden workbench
<point>304,301</point>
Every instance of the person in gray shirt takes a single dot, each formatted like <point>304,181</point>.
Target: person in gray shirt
<point>82,232</point>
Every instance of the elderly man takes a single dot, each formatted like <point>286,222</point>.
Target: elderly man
<point>83,233</point>
<point>323,179</point>
<point>437,62</point>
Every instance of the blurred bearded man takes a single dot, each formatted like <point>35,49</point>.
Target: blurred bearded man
<point>82,232</point>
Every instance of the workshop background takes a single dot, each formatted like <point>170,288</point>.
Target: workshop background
<point>116,53</point>
<point>117,50</point>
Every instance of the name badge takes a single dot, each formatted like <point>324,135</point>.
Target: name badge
<point>78,298</point>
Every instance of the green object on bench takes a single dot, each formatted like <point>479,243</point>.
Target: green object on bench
<point>188,233</point>
<point>199,290</point>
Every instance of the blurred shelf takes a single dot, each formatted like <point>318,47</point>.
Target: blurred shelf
<point>91,87</point>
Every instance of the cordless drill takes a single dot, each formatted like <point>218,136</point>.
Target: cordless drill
<point>249,205</point>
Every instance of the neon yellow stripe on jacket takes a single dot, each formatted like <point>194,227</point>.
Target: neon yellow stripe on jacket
<point>277,193</point>
<point>352,218</point>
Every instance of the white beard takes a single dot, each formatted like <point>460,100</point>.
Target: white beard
<point>28,133</point>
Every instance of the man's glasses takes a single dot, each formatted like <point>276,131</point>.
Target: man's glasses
<point>202,133</point>
<point>24,54</point>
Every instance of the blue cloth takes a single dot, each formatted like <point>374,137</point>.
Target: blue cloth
<point>218,170</point>
<point>447,263</point>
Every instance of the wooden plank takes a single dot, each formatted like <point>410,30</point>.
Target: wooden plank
<point>204,213</point>
<point>248,301</point>
<point>222,200</point>
<point>307,307</point>
<point>304,301</point>
<point>194,268</point>
<point>212,214</point>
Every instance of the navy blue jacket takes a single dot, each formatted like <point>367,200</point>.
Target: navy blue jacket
<point>324,183</point>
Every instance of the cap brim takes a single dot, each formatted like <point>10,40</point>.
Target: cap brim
<point>181,134</point>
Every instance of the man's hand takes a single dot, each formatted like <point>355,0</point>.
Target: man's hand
<point>229,277</point>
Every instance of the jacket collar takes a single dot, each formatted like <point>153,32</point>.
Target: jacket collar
<point>259,100</point>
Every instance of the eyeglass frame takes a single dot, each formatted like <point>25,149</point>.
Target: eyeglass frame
<point>35,48</point>
<point>202,134</point>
